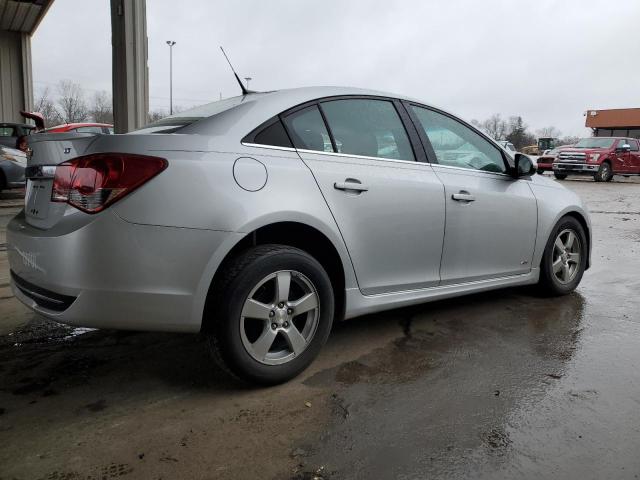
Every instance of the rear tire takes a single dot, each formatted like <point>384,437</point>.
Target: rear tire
<point>258,328</point>
<point>604,173</point>
<point>560,176</point>
<point>564,259</point>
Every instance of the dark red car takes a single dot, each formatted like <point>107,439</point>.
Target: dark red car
<point>82,128</point>
<point>599,157</point>
<point>545,161</point>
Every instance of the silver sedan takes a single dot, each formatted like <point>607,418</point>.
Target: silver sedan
<point>260,219</point>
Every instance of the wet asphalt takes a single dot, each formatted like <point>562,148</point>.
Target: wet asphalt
<point>499,385</point>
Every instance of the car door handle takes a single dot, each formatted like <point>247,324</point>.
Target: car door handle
<point>351,184</point>
<point>463,196</point>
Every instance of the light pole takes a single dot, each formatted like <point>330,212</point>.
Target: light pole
<point>171,43</point>
<point>248,79</point>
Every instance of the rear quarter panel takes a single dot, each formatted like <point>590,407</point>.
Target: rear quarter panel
<point>198,191</point>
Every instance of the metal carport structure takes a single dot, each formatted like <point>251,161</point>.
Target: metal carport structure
<point>130,75</point>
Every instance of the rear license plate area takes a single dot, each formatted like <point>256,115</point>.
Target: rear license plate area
<point>37,198</point>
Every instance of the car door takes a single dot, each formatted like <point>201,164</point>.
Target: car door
<point>491,218</point>
<point>622,158</point>
<point>389,207</point>
<point>634,156</point>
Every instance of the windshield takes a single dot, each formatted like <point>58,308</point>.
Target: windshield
<point>178,120</point>
<point>595,143</point>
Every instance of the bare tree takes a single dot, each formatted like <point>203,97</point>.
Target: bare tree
<point>567,140</point>
<point>155,115</point>
<point>71,103</point>
<point>549,132</point>
<point>101,108</point>
<point>495,127</point>
<point>47,108</point>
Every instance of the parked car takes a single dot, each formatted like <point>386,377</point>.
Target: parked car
<point>12,166</point>
<point>260,219</point>
<point>508,146</point>
<point>82,128</point>
<point>599,157</point>
<point>9,133</point>
<point>545,161</point>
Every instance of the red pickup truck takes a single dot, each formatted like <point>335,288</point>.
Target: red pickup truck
<point>600,157</point>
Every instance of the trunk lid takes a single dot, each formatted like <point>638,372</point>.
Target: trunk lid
<point>47,151</point>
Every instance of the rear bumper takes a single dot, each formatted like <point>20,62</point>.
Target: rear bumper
<point>576,168</point>
<point>544,167</point>
<point>109,273</point>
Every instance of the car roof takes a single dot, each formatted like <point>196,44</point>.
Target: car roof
<point>254,109</point>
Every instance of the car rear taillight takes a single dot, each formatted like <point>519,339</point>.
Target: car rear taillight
<point>93,182</point>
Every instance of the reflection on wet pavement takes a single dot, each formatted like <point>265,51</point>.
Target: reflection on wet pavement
<point>447,387</point>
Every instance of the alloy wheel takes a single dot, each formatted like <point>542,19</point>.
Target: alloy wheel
<point>279,317</point>
<point>566,256</point>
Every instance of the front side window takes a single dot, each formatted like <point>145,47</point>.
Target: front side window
<point>456,145</point>
<point>371,128</point>
<point>7,132</point>
<point>308,130</point>
<point>633,144</point>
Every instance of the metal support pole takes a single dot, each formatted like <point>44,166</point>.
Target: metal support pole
<point>171,43</point>
<point>130,72</point>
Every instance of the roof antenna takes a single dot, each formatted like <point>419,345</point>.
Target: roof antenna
<point>242,87</point>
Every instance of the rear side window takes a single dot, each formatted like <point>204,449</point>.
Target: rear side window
<point>371,128</point>
<point>273,134</point>
<point>7,132</point>
<point>308,130</point>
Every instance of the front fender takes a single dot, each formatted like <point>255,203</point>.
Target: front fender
<point>554,202</point>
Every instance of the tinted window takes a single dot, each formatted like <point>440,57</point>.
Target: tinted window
<point>274,134</point>
<point>308,130</point>
<point>456,145</point>
<point>367,127</point>
<point>633,144</point>
<point>89,130</point>
<point>7,132</point>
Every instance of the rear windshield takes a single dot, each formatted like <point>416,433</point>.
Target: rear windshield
<point>187,117</point>
<point>595,143</point>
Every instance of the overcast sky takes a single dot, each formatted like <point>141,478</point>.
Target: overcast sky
<point>547,60</point>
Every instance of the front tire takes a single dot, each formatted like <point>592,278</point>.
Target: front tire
<point>604,173</point>
<point>271,314</point>
<point>564,259</point>
<point>560,176</point>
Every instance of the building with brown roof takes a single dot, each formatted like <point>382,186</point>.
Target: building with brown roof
<point>615,122</point>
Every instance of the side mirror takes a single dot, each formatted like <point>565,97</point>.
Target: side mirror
<point>524,166</point>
